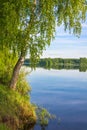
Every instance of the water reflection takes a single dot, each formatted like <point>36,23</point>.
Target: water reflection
<point>63,93</point>
<point>43,127</point>
<point>29,127</point>
<point>32,127</point>
<point>59,64</point>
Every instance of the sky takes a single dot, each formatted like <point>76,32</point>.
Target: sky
<point>67,45</point>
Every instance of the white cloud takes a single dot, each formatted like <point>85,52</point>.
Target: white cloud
<point>62,73</point>
<point>76,53</point>
<point>84,25</point>
<point>67,45</point>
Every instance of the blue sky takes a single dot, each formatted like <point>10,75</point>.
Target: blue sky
<point>67,45</point>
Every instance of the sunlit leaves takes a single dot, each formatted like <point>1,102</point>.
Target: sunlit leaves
<point>30,24</point>
<point>71,13</point>
<point>7,63</point>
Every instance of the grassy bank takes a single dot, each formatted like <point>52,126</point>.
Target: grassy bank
<point>16,111</point>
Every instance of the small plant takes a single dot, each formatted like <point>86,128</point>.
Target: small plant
<point>43,116</point>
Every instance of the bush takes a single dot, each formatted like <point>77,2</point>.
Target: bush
<point>7,62</point>
<point>22,85</point>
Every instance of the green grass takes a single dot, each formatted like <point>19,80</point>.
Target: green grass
<point>4,127</point>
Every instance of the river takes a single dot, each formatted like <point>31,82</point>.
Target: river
<point>63,93</point>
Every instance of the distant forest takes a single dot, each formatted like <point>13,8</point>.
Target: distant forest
<point>60,63</point>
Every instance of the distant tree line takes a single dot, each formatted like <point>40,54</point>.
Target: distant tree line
<point>60,63</point>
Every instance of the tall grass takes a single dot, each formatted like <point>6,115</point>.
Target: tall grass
<point>15,107</point>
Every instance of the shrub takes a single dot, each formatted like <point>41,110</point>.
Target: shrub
<point>23,86</point>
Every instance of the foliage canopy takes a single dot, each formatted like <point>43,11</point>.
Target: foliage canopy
<point>29,25</point>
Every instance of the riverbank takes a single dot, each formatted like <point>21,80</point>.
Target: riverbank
<point>16,111</point>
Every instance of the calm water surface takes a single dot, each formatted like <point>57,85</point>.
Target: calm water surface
<point>63,93</point>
